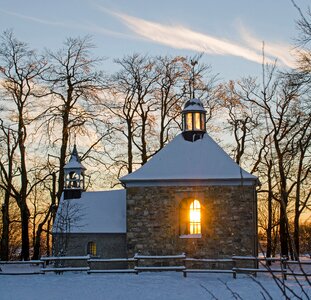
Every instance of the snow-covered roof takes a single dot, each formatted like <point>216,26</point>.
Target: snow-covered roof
<point>194,105</point>
<point>94,212</point>
<point>73,164</point>
<point>200,162</point>
<point>74,161</point>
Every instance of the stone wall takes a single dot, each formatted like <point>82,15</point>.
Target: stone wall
<point>228,221</point>
<point>108,245</point>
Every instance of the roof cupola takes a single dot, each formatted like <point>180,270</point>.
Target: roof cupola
<point>74,180</point>
<point>193,120</point>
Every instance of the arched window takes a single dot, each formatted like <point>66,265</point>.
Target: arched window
<point>91,248</point>
<point>190,218</point>
<point>195,217</point>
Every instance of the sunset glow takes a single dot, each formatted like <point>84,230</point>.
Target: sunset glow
<point>195,217</point>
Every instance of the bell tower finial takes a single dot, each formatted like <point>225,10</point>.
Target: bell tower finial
<point>193,120</point>
<point>74,179</point>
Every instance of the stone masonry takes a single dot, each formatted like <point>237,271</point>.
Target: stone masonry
<point>108,245</point>
<point>228,221</point>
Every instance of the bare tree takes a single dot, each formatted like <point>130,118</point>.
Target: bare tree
<point>20,71</point>
<point>69,215</point>
<point>7,166</point>
<point>43,204</point>
<point>302,175</point>
<point>142,70</point>
<point>301,77</point>
<point>252,142</point>
<point>131,103</point>
<point>146,98</point>
<point>169,95</point>
<point>243,120</point>
<point>74,84</point>
<point>279,102</point>
<point>303,41</point>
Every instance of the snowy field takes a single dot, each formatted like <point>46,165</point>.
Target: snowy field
<point>166,285</point>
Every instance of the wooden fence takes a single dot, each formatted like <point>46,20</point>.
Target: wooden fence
<point>264,265</point>
<point>21,267</point>
<point>148,263</point>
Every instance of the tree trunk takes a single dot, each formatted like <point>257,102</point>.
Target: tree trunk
<point>144,157</point>
<point>269,227</point>
<point>36,249</point>
<point>290,244</point>
<point>62,159</point>
<point>161,136</point>
<point>37,244</point>
<point>129,147</point>
<point>48,252</point>
<point>25,231</point>
<point>296,236</point>
<point>284,238</point>
<point>283,229</point>
<point>4,246</point>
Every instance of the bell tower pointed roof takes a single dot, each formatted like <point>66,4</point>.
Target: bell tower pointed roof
<point>74,161</point>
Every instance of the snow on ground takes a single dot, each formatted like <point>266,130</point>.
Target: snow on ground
<point>145,286</point>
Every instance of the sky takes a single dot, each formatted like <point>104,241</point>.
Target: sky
<point>230,33</point>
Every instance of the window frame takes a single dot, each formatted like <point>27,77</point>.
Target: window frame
<point>194,121</point>
<point>195,225</point>
<point>91,248</point>
<point>184,218</point>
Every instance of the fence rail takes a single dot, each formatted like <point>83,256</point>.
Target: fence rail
<point>21,267</point>
<point>142,263</point>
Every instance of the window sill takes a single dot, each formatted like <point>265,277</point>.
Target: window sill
<point>190,236</point>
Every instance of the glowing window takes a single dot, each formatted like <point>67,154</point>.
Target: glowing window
<point>91,248</point>
<point>195,217</point>
<point>202,122</point>
<point>197,121</point>
<point>189,121</point>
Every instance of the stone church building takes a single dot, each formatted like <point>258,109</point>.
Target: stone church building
<point>190,197</point>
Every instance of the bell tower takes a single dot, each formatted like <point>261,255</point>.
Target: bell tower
<point>74,180</point>
<point>193,120</point>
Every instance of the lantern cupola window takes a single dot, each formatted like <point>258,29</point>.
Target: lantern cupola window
<point>193,120</point>
<point>74,180</point>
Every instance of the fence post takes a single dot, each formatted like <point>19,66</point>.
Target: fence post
<point>233,267</point>
<point>136,263</point>
<point>185,265</point>
<point>284,267</point>
<point>88,264</point>
<point>42,266</point>
<point>256,263</point>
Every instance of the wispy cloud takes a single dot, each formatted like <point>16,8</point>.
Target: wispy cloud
<point>89,27</point>
<point>282,52</point>
<point>33,19</point>
<point>180,37</point>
